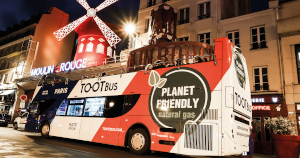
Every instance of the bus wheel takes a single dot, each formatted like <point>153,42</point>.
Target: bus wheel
<point>15,126</point>
<point>45,130</point>
<point>138,141</point>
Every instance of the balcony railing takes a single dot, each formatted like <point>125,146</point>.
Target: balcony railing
<point>150,4</point>
<point>261,45</point>
<point>183,21</point>
<point>264,87</point>
<point>283,1</point>
<point>203,16</point>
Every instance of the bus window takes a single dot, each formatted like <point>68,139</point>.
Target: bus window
<point>24,115</point>
<point>61,111</point>
<point>94,106</point>
<point>75,107</point>
<point>39,107</point>
<point>114,106</point>
<point>75,110</point>
<point>77,101</point>
<point>129,102</point>
<point>44,105</point>
<point>33,109</point>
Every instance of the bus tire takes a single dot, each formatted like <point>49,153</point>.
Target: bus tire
<point>139,141</point>
<point>45,130</point>
<point>16,126</point>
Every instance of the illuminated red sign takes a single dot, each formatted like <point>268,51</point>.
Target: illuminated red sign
<point>261,107</point>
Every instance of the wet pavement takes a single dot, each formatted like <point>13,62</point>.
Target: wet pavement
<point>21,144</point>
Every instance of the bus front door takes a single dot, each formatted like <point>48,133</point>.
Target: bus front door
<point>32,124</point>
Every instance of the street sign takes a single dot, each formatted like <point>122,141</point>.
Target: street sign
<point>22,104</point>
<point>24,97</point>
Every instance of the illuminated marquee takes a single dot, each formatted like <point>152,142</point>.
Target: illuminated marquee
<point>71,65</point>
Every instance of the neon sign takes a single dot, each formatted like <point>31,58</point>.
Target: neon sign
<point>71,65</point>
<point>261,107</point>
<point>42,71</point>
<point>266,99</point>
<point>258,100</point>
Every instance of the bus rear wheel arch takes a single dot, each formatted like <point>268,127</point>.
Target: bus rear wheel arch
<point>132,127</point>
<point>138,141</point>
<point>45,129</point>
<point>15,126</point>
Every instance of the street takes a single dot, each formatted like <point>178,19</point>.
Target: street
<point>25,144</point>
<point>18,143</point>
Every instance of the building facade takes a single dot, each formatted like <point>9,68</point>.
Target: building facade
<point>268,36</point>
<point>28,45</point>
<point>288,25</point>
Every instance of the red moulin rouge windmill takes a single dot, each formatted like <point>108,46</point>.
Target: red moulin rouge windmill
<point>92,42</point>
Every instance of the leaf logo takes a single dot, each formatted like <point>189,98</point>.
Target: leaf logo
<point>155,80</point>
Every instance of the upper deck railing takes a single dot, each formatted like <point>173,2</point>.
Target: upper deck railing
<point>181,53</point>
<point>142,59</point>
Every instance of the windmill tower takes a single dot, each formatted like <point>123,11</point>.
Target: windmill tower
<point>96,40</point>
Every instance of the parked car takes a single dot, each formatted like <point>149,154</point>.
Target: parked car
<point>20,121</point>
<point>4,119</point>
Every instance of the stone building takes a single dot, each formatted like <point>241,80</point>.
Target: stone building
<point>267,33</point>
<point>288,29</point>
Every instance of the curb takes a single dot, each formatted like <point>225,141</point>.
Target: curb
<point>10,125</point>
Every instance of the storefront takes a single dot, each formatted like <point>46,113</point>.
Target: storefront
<point>298,116</point>
<point>265,107</point>
<point>24,88</point>
<point>7,99</point>
<point>24,103</point>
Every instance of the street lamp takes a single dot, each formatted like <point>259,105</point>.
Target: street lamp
<point>130,29</point>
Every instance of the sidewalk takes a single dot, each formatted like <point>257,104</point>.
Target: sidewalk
<point>10,125</point>
<point>255,155</point>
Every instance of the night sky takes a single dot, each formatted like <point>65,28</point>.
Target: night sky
<point>13,11</point>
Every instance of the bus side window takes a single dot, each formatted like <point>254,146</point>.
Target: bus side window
<point>94,106</point>
<point>75,107</point>
<point>33,108</point>
<point>45,105</point>
<point>129,102</point>
<point>114,106</point>
<point>61,111</point>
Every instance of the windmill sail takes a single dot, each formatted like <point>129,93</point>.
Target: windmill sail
<point>63,32</point>
<point>110,36</point>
